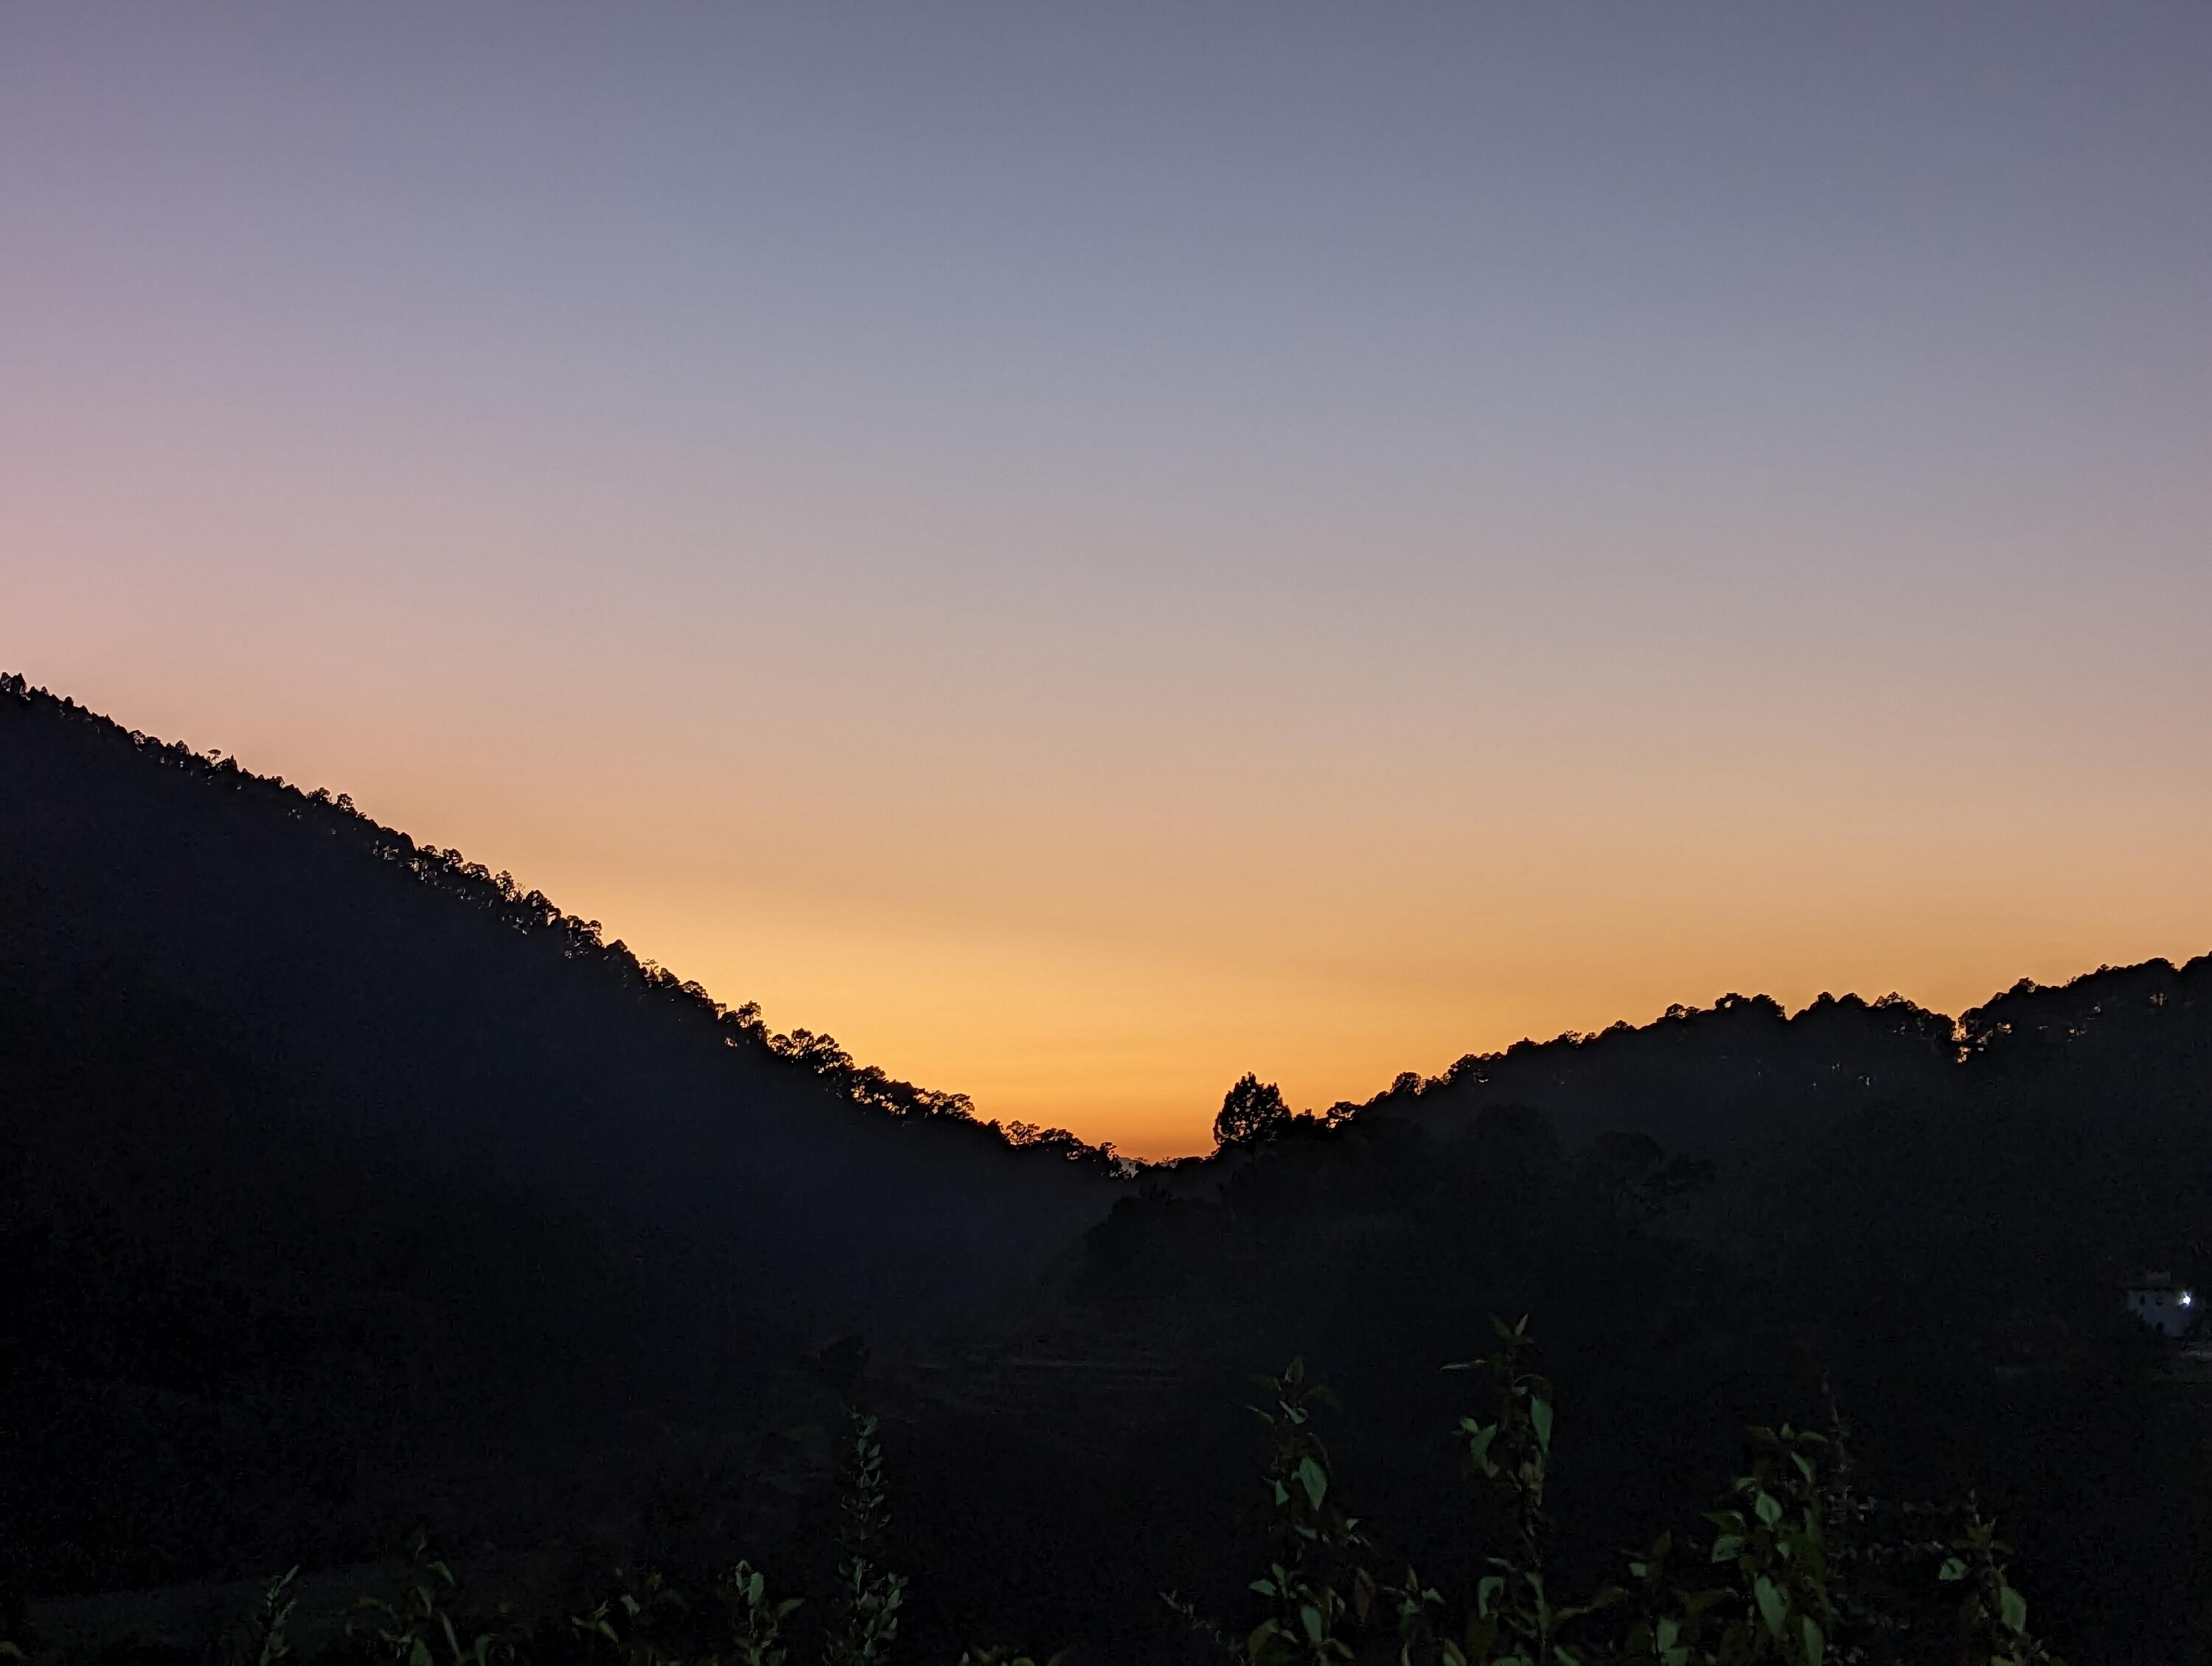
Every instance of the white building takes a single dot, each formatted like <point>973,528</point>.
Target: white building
<point>2165,1307</point>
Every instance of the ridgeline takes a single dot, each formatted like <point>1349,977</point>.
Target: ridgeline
<point>344,1185</point>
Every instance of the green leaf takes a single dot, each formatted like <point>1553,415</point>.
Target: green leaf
<point>1314,1478</point>
<point>1952,1572</point>
<point>2016,1611</point>
<point>1773,1606</point>
<point>1309,1617</point>
<point>1264,1587</point>
<point>1478,1446</point>
<point>1727,1547</point>
<point>1816,1646</point>
<point>1539,1415</point>
<point>1769,1508</point>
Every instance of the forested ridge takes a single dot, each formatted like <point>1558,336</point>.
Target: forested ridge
<point>346,1186</point>
<point>334,1164</point>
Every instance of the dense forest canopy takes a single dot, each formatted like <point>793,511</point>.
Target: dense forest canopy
<point>400,985</point>
<point>344,1183</point>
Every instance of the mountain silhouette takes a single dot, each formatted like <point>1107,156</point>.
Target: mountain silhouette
<point>401,990</point>
<point>345,1184</point>
<point>332,1162</point>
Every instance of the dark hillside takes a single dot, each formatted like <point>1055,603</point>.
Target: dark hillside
<point>233,1333</point>
<point>400,988</point>
<point>1935,1220</point>
<point>340,1181</point>
<point>1740,1075</point>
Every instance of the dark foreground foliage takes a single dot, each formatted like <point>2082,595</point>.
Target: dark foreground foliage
<point>1794,1564</point>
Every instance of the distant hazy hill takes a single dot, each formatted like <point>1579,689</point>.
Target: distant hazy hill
<point>1701,1079</point>
<point>1743,1075</point>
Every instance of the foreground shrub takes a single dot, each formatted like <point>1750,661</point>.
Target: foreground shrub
<point>1796,1566</point>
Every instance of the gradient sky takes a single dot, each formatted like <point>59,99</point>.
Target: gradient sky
<point>1086,550</point>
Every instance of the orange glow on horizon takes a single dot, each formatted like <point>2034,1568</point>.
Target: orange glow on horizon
<point>1057,981</point>
<point>1452,524</point>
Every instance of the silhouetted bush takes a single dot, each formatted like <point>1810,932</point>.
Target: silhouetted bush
<point>1789,1565</point>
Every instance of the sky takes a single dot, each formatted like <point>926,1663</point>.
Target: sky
<point>1088,549</point>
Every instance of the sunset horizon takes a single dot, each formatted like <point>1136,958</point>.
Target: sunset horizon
<point>954,832</point>
<point>1161,1103</point>
<point>1088,560</point>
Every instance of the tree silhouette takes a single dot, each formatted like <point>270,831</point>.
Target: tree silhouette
<point>1251,1111</point>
